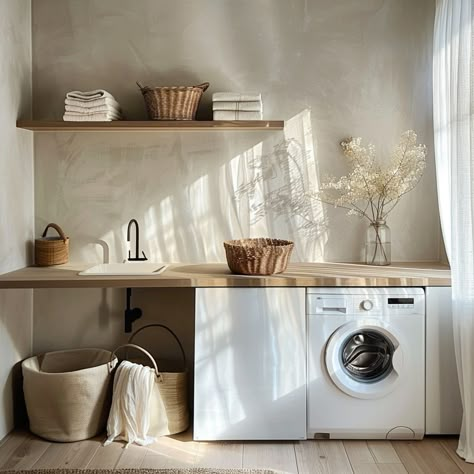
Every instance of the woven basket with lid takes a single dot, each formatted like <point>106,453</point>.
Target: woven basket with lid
<point>172,103</point>
<point>260,256</point>
<point>52,250</point>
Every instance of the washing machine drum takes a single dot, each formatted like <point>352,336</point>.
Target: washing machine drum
<point>364,361</point>
<point>367,355</point>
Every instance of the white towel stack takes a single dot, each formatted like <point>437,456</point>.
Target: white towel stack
<point>237,106</point>
<point>91,106</point>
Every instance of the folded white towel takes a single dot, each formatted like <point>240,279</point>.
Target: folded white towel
<point>91,110</point>
<point>89,95</point>
<point>129,417</point>
<point>97,117</point>
<point>246,106</point>
<point>236,115</point>
<point>236,96</point>
<point>111,112</point>
<point>93,103</point>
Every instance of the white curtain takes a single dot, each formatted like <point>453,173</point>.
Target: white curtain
<point>453,100</point>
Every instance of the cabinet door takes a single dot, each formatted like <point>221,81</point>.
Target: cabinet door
<point>443,399</point>
<point>250,364</point>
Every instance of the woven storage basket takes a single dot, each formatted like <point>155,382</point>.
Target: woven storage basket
<point>68,393</point>
<point>171,386</point>
<point>52,250</point>
<point>260,256</point>
<point>172,103</point>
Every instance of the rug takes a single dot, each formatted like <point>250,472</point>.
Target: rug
<point>192,470</point>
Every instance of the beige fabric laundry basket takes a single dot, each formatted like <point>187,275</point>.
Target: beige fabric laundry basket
<point>171,386</point>
<point>68,393</point>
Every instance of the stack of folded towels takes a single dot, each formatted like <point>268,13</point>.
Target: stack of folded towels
<point>92,106</point>
<point>237,106</point>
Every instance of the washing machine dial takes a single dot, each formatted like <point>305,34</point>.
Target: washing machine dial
<point>367,305</point>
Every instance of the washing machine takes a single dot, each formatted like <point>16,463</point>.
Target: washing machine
<point>366,363</point>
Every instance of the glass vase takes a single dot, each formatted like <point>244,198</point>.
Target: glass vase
<point>378,244</point>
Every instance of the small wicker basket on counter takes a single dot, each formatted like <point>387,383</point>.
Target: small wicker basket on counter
<point>172,103</point>
<point>52,250</point>
<point>260,256</point>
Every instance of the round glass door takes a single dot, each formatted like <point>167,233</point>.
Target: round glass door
<point>366,356</point>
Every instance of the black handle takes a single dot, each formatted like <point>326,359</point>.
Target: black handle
<point>166,328</point>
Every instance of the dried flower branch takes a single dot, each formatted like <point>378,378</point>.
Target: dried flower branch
<point>372,191</point>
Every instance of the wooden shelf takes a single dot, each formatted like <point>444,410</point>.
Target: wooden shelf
<point>150,125</point>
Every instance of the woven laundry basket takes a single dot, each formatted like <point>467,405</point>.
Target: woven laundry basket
<point>52,250</point>
<point>260,256</point>
<point>68,393</point>
<point>172,103</point>
<point>171,386</point>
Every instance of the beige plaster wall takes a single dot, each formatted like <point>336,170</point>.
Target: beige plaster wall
<point>330,68</point>
<point>16,199</point>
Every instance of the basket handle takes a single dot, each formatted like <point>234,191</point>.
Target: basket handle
<point>166,328</point>
<point>57,229</point>
<point>142,87</point>
<point>134,346</point>
<point>203,86</point>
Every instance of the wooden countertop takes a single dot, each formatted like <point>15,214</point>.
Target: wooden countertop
<point>218,275</point>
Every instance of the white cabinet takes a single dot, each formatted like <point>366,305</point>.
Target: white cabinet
<point>443,400</point>
<point>250,364</point>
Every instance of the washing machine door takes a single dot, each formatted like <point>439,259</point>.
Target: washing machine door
<point>364,358</point>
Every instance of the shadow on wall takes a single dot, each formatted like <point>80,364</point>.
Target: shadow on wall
<point>279,185</point>
<point>186,200</point>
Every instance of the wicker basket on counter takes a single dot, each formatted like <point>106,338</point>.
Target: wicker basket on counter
<point>172,103</point>
<point>52,250</point>
<point>260,256</point>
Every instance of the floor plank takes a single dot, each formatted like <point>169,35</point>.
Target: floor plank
<point>26,454</point>
<point>358,452</point>
<point>169,452</point>
<point>277,455</point>
<point>53,456</point>
<point>392,468</point>
<point>11,443</point>
<point>427,456</point>
<point>360,457</point>
<point>68,455</point>
<point>433,455</point>
<point>132,457</point>
<point>450,445</point>
<point>220,455</point>
<point>106,457</point>
<point>383,452</point>
<point>81,453</point>
<point>365,468</point>
<point>314,457</point>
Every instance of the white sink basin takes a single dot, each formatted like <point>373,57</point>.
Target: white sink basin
<point>128,268</point>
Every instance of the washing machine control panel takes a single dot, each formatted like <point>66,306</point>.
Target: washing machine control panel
<point>365,302</point>
<point>401,303</point>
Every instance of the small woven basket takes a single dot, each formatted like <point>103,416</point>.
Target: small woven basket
<point>172,103</point>
<point>260,256</point>
<point>52,250</point>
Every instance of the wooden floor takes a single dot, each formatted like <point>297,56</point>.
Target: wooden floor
<point>21,450</point>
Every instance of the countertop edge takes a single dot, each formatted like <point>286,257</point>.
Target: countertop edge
<point>183,275</point>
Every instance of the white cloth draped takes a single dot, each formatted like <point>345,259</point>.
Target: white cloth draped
<point>453,102</point>
<point>129,418</point>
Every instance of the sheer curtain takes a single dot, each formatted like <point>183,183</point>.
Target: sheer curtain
<point>453,100</point>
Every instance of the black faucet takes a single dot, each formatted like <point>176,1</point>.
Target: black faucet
<point>137,241</point>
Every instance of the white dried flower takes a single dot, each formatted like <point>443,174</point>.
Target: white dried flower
<point>372,191</point>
